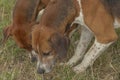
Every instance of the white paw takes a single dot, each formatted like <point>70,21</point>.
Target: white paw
<point>62,64</point>
<point>73,60</point>
<point>70,63</point>
<point>79,69</point>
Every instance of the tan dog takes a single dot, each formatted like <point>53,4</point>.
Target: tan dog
<point>48,37</point>
<point>24,17</point>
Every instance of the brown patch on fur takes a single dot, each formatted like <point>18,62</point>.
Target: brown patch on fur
<point>41,41</point>
<point>58,15</point>
<point>24,17</point>
<point>99,20</point>
<point>49,40</point>
<point>54,20</point>
<point>49,36</point>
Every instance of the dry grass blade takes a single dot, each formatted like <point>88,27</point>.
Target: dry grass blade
<point>2,49</point>
<point>43,77</point>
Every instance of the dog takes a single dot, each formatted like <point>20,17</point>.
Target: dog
<point>97,18</point>
<point>49,38</point>
<point>24,17</point>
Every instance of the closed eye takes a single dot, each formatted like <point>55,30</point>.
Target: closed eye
<point>46,53</point>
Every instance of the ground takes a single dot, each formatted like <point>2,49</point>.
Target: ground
<point>15,63</point>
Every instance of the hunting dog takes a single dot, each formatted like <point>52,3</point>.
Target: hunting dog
<point>24,17</point>
<point>97,18</point>
<point>48,37</point>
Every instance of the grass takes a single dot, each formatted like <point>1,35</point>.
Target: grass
<point>15,63</point>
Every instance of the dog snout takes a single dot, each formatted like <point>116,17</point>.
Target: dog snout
<point>43,68</point>
<point>45,65</point>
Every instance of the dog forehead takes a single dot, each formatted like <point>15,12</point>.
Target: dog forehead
<point>45,47</point>
<point>41,38</point>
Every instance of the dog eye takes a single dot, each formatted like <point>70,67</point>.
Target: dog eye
<point>46,53</point>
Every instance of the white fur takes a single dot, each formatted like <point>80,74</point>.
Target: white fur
<point>33,53</point>
<point>43,66</point>
<point>39,15</point>
<point>80,19</point>
<point>116,24</point>
<point>85,39</point>
<point>38,62</point>
<point>93,53</point>
<point>86,36</point>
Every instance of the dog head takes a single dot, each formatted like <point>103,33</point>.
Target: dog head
<point>50,45</point>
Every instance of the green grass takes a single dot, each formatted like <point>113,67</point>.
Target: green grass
<point>15,63</point>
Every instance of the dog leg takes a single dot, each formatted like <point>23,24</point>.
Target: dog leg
<point>85,39</point>
<point>93,53</point>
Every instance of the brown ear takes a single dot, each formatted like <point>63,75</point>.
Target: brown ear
<point>60,44</point>
<point>6,34</point>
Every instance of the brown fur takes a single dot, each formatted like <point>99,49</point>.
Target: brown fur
<point>60,13</point>
<point>50,25</point>
<point>99,20</point>
<point>48,37</point>
<point>24,17</point>
<point>113,6</point>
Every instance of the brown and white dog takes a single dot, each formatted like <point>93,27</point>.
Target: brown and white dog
<point>97,18</point>
<point>24,17</point>
<point>48,37</point>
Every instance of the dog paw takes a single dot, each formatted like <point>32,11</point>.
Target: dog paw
<point>79,69</point>
<point>69,64</point>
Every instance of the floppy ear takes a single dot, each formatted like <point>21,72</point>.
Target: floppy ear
<point>60,44</point>
<point>6,34</point>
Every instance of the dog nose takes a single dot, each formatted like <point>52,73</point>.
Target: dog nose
<point>40,71</point>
